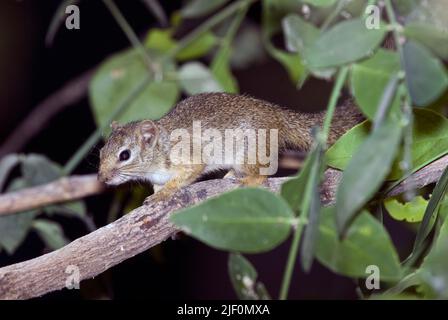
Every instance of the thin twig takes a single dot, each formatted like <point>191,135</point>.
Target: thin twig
<point>64,189</point>
<point>72,92</point>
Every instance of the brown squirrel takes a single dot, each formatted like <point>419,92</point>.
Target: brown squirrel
<point>143,150</point>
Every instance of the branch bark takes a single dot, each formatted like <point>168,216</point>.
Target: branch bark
<point>140,230</point>
<point>64,189</point>
<point>98,251</point>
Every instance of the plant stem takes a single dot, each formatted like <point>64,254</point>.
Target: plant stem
<point>393,21</point>
<point>336,92</point>
<point>233,28</point>
<point>340,5</point>
<point>207,25</point>
<point>292,256</point>
<point>130,34</point>
<point>408,116</point>
<point>226,41</point>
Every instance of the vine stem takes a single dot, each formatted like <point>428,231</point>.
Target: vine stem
<point>408,116</point>
<point>233,28</point>
<point>132,37</point>
<point>96,135</point>
<point>333,15</point>
<point>207,25</point>
<point>336,92</point>
<point>292,256</point>
<point>393,21</point>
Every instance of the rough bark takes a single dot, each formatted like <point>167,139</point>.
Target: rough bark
<point>64,189</point>
<point>137,231</point>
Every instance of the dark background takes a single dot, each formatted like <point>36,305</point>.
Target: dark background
<point>181,269</point>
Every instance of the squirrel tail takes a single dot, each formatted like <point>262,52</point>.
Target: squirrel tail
<point>297,127</point>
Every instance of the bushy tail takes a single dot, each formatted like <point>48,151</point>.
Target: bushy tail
<point>297,126</point>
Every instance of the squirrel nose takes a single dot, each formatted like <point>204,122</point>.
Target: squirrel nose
<point>102,177</point>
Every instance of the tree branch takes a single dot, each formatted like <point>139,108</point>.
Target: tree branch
<point>98,251</point>
<point>69,94</point>
<point>62,190</point>
<point>138,231</point>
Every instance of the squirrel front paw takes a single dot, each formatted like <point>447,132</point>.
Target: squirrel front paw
<point>160,196</point>
<point>253,181</point>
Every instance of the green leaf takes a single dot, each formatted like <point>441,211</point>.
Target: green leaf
<point>433,14</point>
<point>299,34</point>
<point>367,243</point>
<point>51,233</point>
<point>433,38</point>
<point>246,220</point>
<point>370,78</point>
<point>244,279</point>
<point>160,40</point>
<point>119,76</point>
<point>291,62</point>
<point>220,67</point>
<point>390,94</point>
<point>198,48</point>
<point>76,209</point>
<point>426,77</point>
<point>15,227</point>
<point>412,211</point>
<point>7,163</point>
<point>431,211</point>
<point>410,280</point>
<point>320,3</point>
<point>346,42</point>
<point>308,245</point>
<point>366,171</point>
<point>433,272</point>
<point>293,190</point>
<point>195,78</point>
<point>37,170</point>
<point>405,7</point>
<point>198,8</point>
<point>429,142</point>
<point>273,12</point>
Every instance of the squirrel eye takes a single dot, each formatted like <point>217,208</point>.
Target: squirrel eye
<point>125,155</point>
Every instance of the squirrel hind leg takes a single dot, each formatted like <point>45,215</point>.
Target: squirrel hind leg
<point>252,176</point>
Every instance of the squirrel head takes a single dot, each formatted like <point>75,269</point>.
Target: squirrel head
<point>128,152</point>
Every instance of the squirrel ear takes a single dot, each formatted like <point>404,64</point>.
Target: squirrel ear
<point>149,132</point>
<point>114,125</point>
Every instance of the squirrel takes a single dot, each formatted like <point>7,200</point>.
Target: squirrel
<point>142,150</point>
